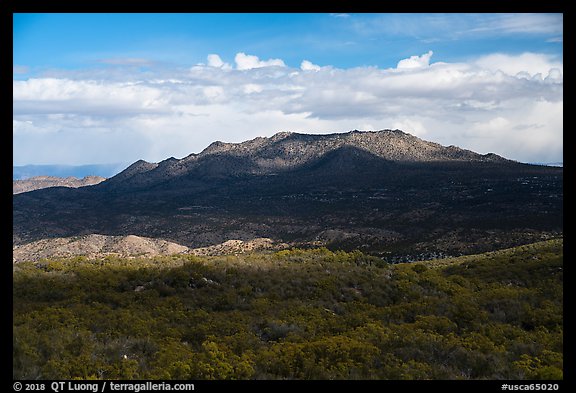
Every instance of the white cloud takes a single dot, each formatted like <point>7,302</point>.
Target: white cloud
<point>215,61</point>
<point>497,103</point>
<point>523,64</point>
<point>523,23</point>
<point>248,62</point>
<point>51,95</point>
<point>492,126</point>
<point>309,66</point>
<point>533,133</point>
<point>554,75</point>
<point>250,88</point>
<point>410,126</point>
<point>415,61</point>
<point>342,15</point>
<point>435,27</point>
<point>213,93</point>
<point>130,61</point>
<point>555,39</point>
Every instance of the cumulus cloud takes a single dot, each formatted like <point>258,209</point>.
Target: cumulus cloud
<point>496,103</point>
<point>415,61</point>
<point>309,66</point>
<point>248,62</point>
<point>250,88</point>
<point>410,126</point>
<point>524,64</point>
<point>55,96</point>
<point>215,61</point>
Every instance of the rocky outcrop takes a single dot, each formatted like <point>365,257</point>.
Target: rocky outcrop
<point>239,247</point>
<point>95,245</point>
<point>98,246</point>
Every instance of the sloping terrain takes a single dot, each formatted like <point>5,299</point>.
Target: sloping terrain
<point>99,246</point>
<point>38,182</point>
<point>92,246</point>
<point>387,193</point>
<point>293,314</point>
<point>288,151</point>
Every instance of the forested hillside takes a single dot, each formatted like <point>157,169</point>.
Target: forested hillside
<point>298,314</point>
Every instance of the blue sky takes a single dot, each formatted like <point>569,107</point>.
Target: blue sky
<point>93,87</point>
<point>71,41</point>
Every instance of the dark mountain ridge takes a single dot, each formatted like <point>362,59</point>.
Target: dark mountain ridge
<point>384,192</point>
<point>287,151</point>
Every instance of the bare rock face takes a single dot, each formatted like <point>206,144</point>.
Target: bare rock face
<point>239,247</point>
<point>97,246</point>
<point>93,246</point>
<point>38,182</point>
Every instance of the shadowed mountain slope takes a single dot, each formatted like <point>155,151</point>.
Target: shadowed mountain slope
<point>384,192</point>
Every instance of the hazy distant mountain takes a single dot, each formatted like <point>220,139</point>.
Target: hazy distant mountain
<point>78,171</point>
<point>38,182</point>
<point>385,192</point>
<point>558,164</point>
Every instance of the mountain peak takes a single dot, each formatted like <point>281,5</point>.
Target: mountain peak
<point>376,189</point>
<point>286,151</point>
<point>280,135</point>
<point>137,168</point>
